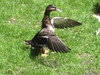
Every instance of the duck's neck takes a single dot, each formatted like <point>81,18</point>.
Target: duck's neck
<point>46,20</point>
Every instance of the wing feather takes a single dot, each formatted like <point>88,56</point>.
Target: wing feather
<point>56,47</point>
<point>55,44</point>
<point>64,22</point>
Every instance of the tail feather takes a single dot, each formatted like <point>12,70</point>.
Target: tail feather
<point>28,42</point>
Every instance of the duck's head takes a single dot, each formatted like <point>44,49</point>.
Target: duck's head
<point>52,8</point>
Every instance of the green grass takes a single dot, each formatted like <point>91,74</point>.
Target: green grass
<point>21,19</point>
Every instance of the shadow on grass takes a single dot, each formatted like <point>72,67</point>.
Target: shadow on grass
<point>48,62</point>
<point>33,53</point>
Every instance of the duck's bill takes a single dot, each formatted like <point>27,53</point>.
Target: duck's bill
<point>58,10</point>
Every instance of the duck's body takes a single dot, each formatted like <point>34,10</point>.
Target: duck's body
<point>46,36</point>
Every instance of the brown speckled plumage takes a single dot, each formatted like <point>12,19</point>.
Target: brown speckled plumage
<point>46,36</point>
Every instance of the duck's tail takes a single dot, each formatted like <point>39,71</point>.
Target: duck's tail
<point>28,42</point>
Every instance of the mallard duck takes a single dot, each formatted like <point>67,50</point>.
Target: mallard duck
<point>46,37</point>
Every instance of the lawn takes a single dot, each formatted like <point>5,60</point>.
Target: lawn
<point>21,19</point>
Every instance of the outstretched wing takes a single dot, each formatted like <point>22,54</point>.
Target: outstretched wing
<point>55,44</point>
<point>63,22</point>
